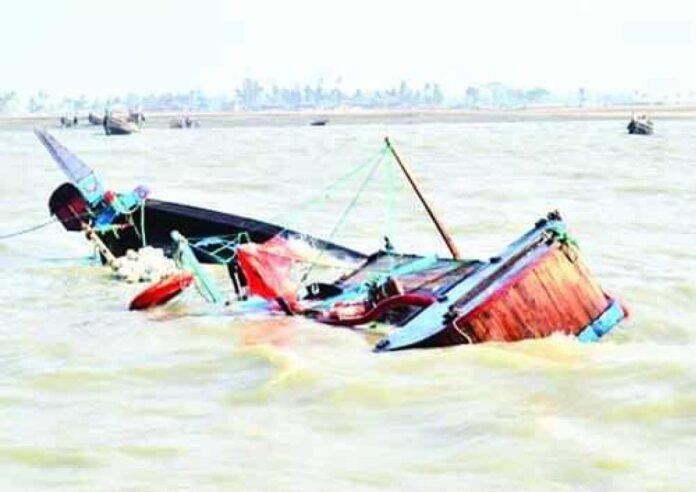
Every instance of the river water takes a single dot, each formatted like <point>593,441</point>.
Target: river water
<point>190,397</point>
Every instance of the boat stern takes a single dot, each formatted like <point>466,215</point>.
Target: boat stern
<point>538,286</point>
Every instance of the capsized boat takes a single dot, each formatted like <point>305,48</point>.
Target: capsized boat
<point>128,221</point>
<point>537,286</point>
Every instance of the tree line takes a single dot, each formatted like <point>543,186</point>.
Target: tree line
<point>251,95</point>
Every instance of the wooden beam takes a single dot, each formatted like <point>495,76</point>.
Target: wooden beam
<point>428,208</point>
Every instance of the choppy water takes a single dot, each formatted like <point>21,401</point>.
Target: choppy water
<point>94,397</point>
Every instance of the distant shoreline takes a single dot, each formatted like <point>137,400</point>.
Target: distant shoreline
<point>406,116</point>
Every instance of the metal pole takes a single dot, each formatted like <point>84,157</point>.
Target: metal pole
<point>440,227</point>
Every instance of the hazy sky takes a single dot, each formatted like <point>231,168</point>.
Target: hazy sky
<point>100,47</point>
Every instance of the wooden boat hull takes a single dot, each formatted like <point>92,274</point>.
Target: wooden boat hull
<point>140,220</point>
<point>539,286</point>
<point>160,218</point>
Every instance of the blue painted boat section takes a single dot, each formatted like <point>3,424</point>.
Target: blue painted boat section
<point>105,218</point>
<point>254,304</point>
<point>128,202</point>
<point>79,173</point>
<point>417,265</point>
<point>604,323</point>
<point>91,188</point>
<point>429,322</point>
<point>187,260</point>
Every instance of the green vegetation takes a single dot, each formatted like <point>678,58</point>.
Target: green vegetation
<point>251,95</point>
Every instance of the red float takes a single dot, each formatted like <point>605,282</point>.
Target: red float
<point>162,291</point>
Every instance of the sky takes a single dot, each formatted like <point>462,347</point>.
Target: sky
<point>101,48</point>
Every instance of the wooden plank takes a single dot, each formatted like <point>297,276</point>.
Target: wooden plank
<point>579,287</point>
<point>558,296</point>
<point>554,294</point>
<point>428,208</point>
<point>552,314</point>
<point>532,308</point>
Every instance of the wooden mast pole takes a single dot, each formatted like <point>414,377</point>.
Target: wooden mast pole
<point>440,227</point>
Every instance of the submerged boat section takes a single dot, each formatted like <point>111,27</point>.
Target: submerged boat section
<point>538,286</point>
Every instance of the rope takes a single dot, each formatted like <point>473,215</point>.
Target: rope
<point>227,245</point>
<point>373,165</point>
<point>232,245</point>
<point>354,200</point>
<point>142,223</point>
<point>230,241</point>
<point>563,236</point>
<point>29,229</point>
<point>347,210</point>
<point>321,195</point>
<point>389,216</point>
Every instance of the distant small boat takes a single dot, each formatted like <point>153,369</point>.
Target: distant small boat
<point>640,126</point>
<point>321,122</point>
<point>95,120</point>
<point>68,122</point>
<point>136,117</point>
<point>184,123</point>
<point>116,125</point>
<point>120,120</point>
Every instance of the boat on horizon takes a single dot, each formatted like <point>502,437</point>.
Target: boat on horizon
<point>183,122</point>
<point>640,125</point>
<point>117,125</point>
<point>95,120</point>
<point>66,122</point>
<point>121,121</point>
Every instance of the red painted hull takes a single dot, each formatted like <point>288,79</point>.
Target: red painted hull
<point>553,294</point>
